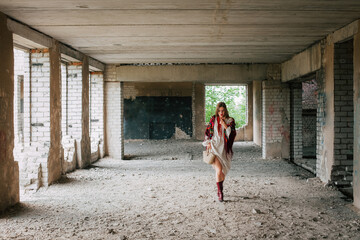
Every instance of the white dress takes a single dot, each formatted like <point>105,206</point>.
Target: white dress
<point>218,147</point>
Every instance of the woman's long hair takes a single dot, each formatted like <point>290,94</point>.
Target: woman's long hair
<point>219,105</point>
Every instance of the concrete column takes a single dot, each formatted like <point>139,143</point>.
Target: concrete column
<point>198,111</point>
<point>257,112</point>
<point>325,113</point>
<point>54,160</point>
<point>248,128</point>
<point>276,116</point>
<point>9,170</point>
<point>85,133</point>
<point>356,173</point>
<point>296,121</point>
<point>114,114</point>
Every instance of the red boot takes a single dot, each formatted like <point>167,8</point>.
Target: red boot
<point>220,191</point>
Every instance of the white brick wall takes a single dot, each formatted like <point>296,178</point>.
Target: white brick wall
<point>276,118</point>
<point>64,97</point>
<point>96,110</point>
<point>74,101</point>
<point>21,74</point>
<point>33,156</point>
<point>40,97</point>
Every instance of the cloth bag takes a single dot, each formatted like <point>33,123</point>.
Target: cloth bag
<point>208,157</point>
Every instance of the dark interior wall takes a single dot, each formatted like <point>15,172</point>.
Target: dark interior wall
<point>157,117</point>
<point>309,106</point>
<point>155,110</point>
<point>344,113</point>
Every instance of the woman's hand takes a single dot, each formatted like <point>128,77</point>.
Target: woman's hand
<point>222,122</point>
<point>208,147</point>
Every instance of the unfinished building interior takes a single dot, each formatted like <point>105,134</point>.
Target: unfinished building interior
<point>80,79</point>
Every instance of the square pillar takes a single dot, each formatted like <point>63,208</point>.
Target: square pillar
<point>54,160</point>
<point>356,170</point>
<point>84,159</point>
<point>248,128</point>
<point>114,114</point>
<point>198,111</point>
<point>257,110</point>
<point>9,170</point>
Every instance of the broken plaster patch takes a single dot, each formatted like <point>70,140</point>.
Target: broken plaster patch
<point>180,134</point>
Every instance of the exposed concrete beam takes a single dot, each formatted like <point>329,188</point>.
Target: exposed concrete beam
<point>99,66</point>
<point>309,60</point>
<point>302,64</point>
<point>46,41</point>
<point>346,32</point>
<point>240,73</point>
<point>28,33</point>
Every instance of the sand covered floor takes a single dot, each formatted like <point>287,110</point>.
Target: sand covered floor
<point>165,191</point>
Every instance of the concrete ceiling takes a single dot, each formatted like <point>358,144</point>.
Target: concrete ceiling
<point>186,31</point>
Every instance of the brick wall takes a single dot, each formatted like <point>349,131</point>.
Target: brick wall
<point>309,106</point>
<point>344,114</point>
<point>276,115</point>
<point>77,106</point>
<point>97,111</point>
<point>74,100</point>
<point>40,97</point>
<point>33,158</point>
<point>296,121</point>
<point>67,140</point>
<point>64,99</point>
<point>276,118</point>
<point>21,74</point>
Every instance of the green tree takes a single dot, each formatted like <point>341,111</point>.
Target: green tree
<point>234,98</point>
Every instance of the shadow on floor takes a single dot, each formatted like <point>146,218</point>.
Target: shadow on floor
<point>18,210</point>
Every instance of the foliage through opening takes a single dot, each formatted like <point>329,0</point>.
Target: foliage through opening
<point>234,98</point>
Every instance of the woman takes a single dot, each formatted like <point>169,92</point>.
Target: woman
<point>219,138</point>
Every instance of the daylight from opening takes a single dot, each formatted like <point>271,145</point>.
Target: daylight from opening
<point>233,96</point>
